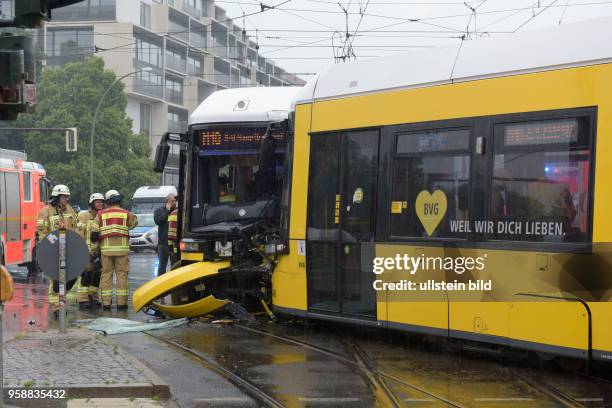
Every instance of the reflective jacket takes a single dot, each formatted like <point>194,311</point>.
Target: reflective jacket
<point>49,219</point>
<point>172,228</point>
<point>86,225</point>
<point>115,224</point>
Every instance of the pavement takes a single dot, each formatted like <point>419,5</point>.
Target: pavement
<point>81,363</point>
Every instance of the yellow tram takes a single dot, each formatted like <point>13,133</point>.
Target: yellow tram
<point>495,151</point>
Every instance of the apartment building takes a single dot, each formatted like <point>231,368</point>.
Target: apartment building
<point>189,48</point>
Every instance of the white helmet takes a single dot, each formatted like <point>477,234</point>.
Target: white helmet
<point>112,196</point>
<point>94,197</point>
<point>59,190</point>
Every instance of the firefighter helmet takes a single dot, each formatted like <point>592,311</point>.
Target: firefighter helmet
<point>94,197</point>
<point>59,190</point>
<point>112,197</point>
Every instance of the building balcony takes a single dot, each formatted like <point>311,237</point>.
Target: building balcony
<point>176,64</point>
<point>103,10</point>
<point>149,88</point>
<point>192,11</point>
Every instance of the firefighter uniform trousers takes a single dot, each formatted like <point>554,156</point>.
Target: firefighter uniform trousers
<point>115,223</point>
<point>120,264</point>
<point>89,283</point>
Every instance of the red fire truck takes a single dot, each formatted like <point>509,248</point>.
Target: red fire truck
<point>24,191</point>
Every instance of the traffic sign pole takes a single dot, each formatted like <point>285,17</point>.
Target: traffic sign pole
<point>62,280</point>
<point>1,366</point>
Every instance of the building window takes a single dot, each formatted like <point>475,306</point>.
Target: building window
<point>69,45</point>
<point>194,66</point>
<point>178,26</point>
<point>177,120</point>
<point>145,15</point>
<point>148,83</point>
<point>145,119</point>
<point>175,59</point>
<point>174,90</point>
<point>148,52</point>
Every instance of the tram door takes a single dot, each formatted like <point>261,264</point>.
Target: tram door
<point>342,195</point>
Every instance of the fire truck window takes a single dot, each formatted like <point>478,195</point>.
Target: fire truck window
<point>43,188</point>
<point>27,186</point>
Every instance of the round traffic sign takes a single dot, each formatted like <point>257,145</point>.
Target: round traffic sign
<point>77,255</point>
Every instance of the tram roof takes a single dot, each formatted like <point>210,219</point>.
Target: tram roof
<point>260,104</point>
<point>568,45</point>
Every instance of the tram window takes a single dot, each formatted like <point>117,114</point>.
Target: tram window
<point>540,184</point>
<point>240,179</point>
<point>323,190</point>
<point>27,186</point>
<point>430,161</point>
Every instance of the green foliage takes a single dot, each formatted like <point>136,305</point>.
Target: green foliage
<point>67,97</point>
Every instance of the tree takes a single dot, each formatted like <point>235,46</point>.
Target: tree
<point>67,97</point>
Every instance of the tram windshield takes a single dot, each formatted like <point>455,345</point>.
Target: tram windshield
<point>234,187</point>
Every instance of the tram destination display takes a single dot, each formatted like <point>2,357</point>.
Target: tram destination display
<point>235,138</point>
<point>546,132</point>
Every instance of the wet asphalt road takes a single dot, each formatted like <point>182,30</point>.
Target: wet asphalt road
<point>321,365</point>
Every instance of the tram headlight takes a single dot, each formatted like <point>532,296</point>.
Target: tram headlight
<point>189,246</point>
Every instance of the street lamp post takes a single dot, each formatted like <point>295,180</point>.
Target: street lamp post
<point>93,126</point>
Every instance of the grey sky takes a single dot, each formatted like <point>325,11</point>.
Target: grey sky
<point>298,34</point>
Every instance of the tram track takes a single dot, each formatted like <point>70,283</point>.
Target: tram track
<point>380,382</point>
<point>547,389</point>
<point>248,388</point>
<point>377,378</point>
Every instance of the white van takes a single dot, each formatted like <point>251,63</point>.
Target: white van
<point>148,198</point>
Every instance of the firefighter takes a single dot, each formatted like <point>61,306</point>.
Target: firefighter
<point>172,236</point>
<point>56,215</point>
<point>115,223</point>
<point>89,285</point>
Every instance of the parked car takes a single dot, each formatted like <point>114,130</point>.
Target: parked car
<point>144,236</point>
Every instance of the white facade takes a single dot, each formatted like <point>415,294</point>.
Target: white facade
<point>189,47</point>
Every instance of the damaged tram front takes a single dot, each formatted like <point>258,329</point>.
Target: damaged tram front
<point>232,166</point>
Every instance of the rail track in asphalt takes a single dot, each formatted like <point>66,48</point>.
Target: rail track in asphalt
<point>380,381</point>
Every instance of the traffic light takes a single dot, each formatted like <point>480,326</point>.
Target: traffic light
<point>17,75</point>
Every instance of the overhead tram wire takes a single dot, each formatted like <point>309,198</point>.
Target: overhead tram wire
<point>349,49</point>
<point>563,13</point>
<point>464,37</point>
<point>534,16</point>
<point>402,20</point>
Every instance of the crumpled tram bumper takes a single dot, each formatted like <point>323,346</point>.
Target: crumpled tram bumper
<point>166,283</point>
